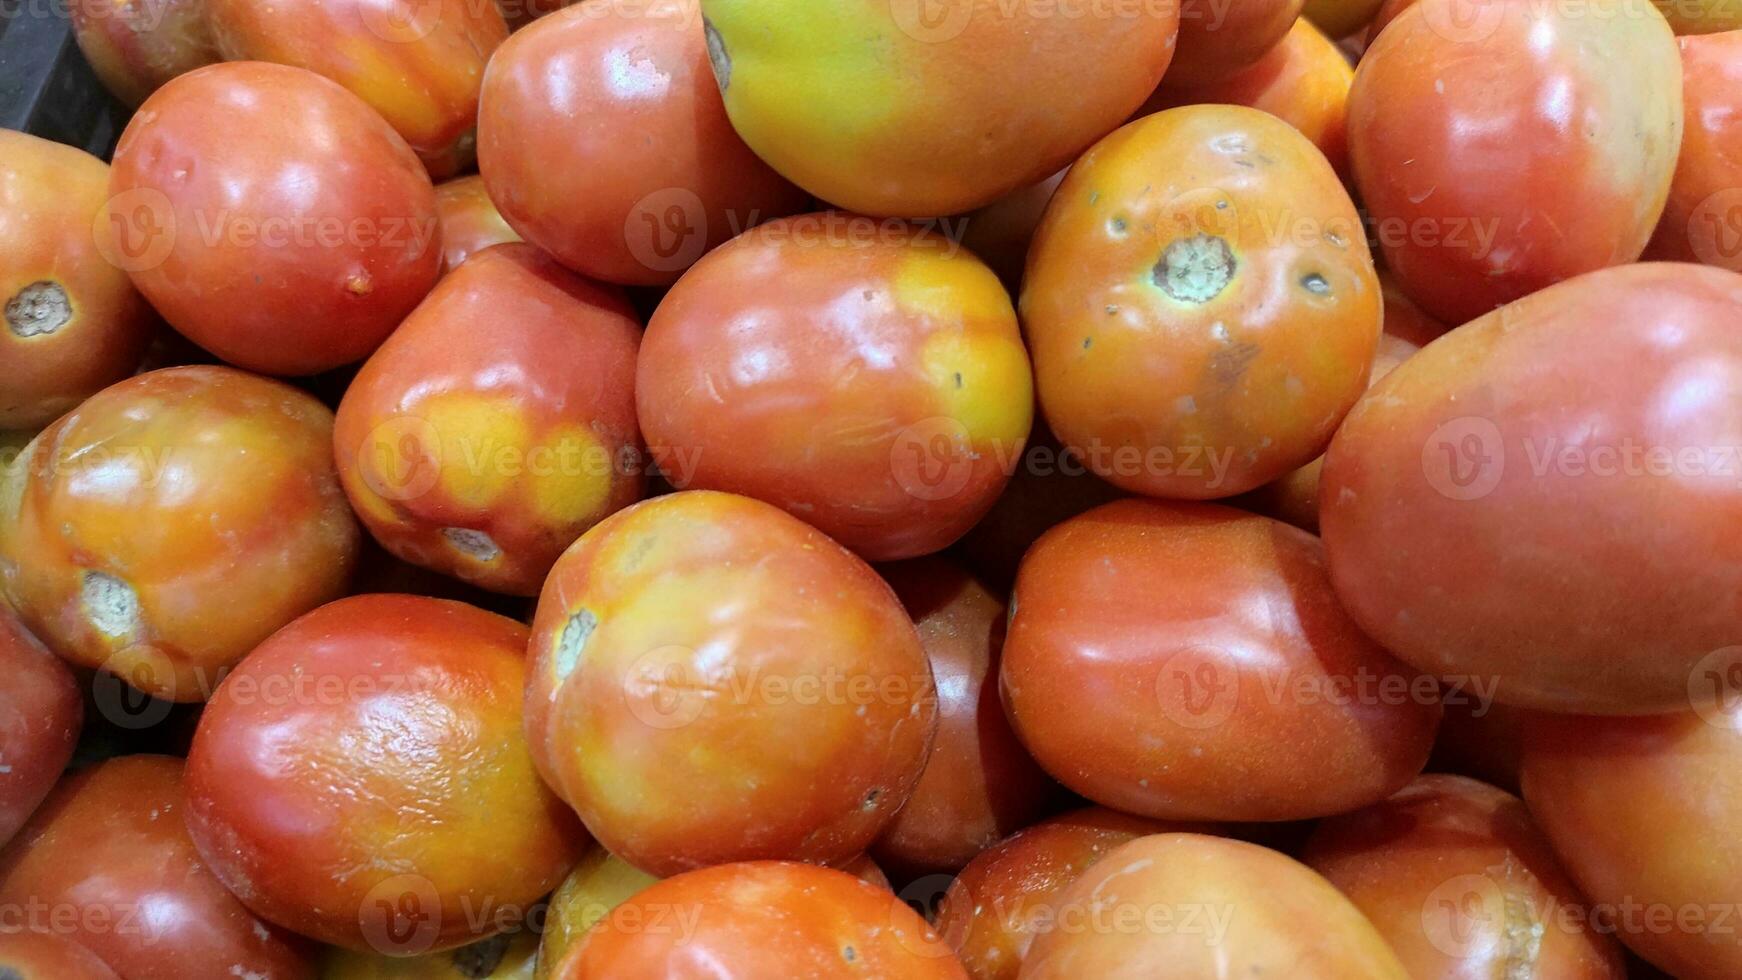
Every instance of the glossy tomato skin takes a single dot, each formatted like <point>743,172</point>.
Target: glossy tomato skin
<point>1501,147</point>
<point>713,680</point>
<point>40,717</point>
<point>1458,879</point>
<point>599,883</point>
<point>419,63</point>
<point>1190,662</point>
<point>1599,403</point>
<point>273,217</point>
<point>1200,303</point>
<point>107,863</point>
<point>348,718</point>
<point>498,422</point>
<point>761,919</point>
<point>1699,223</point>
<point>868,104</point>
<point>1277,918</point>
<point>505,956</point>
<point>135,48</point>
<point>980,785</point>
<point>172,522</point>
<point>867,377</point>
<point>46,956</point>
<point>469,219</point>
<point>73,323</point>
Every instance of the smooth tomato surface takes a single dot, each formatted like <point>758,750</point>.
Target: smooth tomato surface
<point>40,717</point>
<point>1703,220</point>
<point>1220,37</point>
<point>469,219</point>
<point>134,48</point>
<point>46,956</point>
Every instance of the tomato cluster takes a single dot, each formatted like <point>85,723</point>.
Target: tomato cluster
<point>889,489</point>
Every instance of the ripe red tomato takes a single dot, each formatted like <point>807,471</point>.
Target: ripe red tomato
<point>40,717</point>
<point>498,422</point>
<point>362,778</point>
<point>979,785</point>
<point>172,522</point>
<point>866,377</point>
<point>1463,886</point>
<point>760,919</point>
<point>1190,662</point>
<point>46,956</point>
<point>713,680</point>
<point>1187,905</point>
<point>73,322</point>
<point>107,863</point>
<point>272,217</point>
<point>1220,37</point>
<point>134,48</point>
<point>1501,146</point>
<point>918,110</point>
<point>604,142</point>
<point>1703,220</point>
<point>469,219</point>
<point>1201,304</point>
<point>1564,474</point>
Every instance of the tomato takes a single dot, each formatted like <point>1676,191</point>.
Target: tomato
<point>867,377</point>
<point>498,422</point>
<point>272,217</point>
<point>312,754</point>
<point>559,102</point>
<point>419,63</point>
<point>1220,37</point>
<point>134,48</point>
<point>45,956</point>
<point>1642,812</point>
<point>1698,223</point>
<point>73,322</point>
<point>758,920</point>
<point>1000,233</point>
<point>507,956</point>
<point>713,680</point>
<point>1501,146</point>
<point>979,784</point>
<point>1303,80</point>
<point>172,522</point>
<point>1463,886</point>
<point>1190,662</point>
<point>470,222</point>
<point>1187,905</point>
<point>1403,318</point>
<point>600,883</point>
<point>1340,18</point>
<point>106,862</point>
<point>1602,403</point>
<point>904,109</point>
<point>1700,16</point>
<point>41,715</point>
<point>1200,303</point>
<point>1479,739</point>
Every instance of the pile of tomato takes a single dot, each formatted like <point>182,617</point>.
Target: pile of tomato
<point>897,489</point>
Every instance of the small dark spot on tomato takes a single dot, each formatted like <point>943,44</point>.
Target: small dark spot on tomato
<point>1316,284</point>
<point>958,379</point>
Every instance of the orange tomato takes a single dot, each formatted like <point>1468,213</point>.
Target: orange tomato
<point>469,219</point>
<point>599,883</point>
<point>1701,221</point>
<point>1219,37</point>
<point>46,956</point>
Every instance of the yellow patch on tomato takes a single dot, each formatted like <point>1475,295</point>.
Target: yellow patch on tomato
<point>983,382</point>
<point>483,440</point>
<point>569,476</point>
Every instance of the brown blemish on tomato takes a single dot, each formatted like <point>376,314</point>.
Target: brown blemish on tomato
<point>110,605</point>
<point>38,309</point>
<point>718,55</point>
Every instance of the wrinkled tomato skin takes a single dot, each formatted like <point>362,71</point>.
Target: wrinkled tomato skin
<point>497,423</point>
<point>758,920</point>
<point>343,721</point>
<point>599,883</point>
<point>1462,885</point>
<point>223,164</point>
<point>869,105</point>
<point>1517,435</point>
<point>46,956</point>
<point>634,211</point>
<point>109,848</point>
<point>41,714</point>
<point>979,784</point>
<point>1642,812</point>
<point>1218,38</point>
<point>419,63</point>
<point>469,219</point>
<point>1279,918</point>
<point>877,389</point>
<point>1697,224</point>
<point>134,48</point>
<point>73,323</point>
<point>1190,662</point>
<point>1501,147</point>
<point>1183,347</point>
<point>713,680</point>
<point>173,521</point>
<point>507,956</point>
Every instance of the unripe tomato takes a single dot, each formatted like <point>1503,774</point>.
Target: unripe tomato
<point>1502,146</point>
<point>362,778</point>
<point>40,718</point>
<point>108,864</point>
<point>507,956</point>
<point>868,377</point>
<point>903,109</point>
<point>713,680</point>
<point>1201,304</point>
<point>561,101</point>
<point>1190,662</point>
<point>272,217</point>
<point>469,219</point>
<point>1220,37</point>
<point>172,522</point>
<point>1463,886</point>
<point>73,322</point>
<point>46,956</point>
<point>136,47</point>
<point>600,883</point>
<point>1700,222</point>
<point>498,422</point>
<point>1550,498</point>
